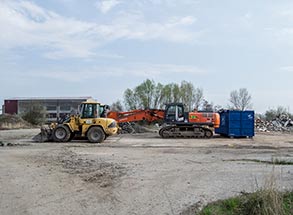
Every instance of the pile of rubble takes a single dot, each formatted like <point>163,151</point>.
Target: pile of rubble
<point>282,123</point>
<point>132,127</point>
<point>8,121</point>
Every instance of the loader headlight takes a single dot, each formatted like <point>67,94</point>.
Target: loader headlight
<point>112,125</point>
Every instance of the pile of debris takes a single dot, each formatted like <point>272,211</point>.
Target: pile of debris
<point>136,127</point>
<point>8,121</point>
<point>282,123</point>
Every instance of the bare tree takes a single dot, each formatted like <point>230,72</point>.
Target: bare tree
<point>130,99</point>
<point>190,96</point>
<point>35,114</point>
<point>241,99</point>
<point>117,106</point>
<point>198,98</point>
<point>145,93</point>
<point>158,95</point>
<point>272,114</point>
<point>169,93</point>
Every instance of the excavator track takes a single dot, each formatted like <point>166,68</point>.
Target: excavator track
<point>174,131</point>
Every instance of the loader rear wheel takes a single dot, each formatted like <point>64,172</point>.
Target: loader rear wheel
<point>61,134</point>
<point>96,135</point>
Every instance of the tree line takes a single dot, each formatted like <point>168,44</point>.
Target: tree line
<point>150,94</point>
<point>155,95</point>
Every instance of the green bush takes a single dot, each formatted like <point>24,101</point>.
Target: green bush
<point>261,202</point>
<point>35,114</point>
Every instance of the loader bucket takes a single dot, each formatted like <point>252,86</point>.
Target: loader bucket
<point>44,136</point>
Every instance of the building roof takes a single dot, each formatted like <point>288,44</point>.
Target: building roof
<point>50,98</point>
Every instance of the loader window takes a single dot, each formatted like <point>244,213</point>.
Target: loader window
<point>89,111</point>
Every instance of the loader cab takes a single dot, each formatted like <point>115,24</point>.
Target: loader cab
<point>89,110</point>
<point>174,112</point>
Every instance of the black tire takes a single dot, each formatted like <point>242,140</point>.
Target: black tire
<point>72,135</point>
<point>61,134</point>
<point>96,135</point>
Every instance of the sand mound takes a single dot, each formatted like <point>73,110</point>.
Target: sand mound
<point>8,121</point>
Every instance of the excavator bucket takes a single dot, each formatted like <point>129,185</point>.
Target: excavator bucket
<point>44,136</point>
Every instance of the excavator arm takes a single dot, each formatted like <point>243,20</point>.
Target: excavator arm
<point>149,115</point>
<point>126,119</point>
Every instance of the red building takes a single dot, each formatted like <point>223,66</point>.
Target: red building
<point>54,107</point>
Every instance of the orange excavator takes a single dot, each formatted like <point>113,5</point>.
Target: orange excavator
<point>176,122</point>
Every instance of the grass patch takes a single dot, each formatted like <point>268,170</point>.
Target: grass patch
<point>265,201</point>
<point>274,161</point>
<point>277,161</point>
<point>288,202</point>
<point>261,202</point>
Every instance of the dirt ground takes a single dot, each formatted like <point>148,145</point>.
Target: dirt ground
<point>135,174</point>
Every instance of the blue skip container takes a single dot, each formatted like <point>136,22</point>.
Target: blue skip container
<point>234,123</point>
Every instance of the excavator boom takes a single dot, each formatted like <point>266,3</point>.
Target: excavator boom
<point>149,115</point>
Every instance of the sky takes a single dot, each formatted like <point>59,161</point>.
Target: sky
<point>99,48</point>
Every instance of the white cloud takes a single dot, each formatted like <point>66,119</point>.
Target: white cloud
<point>170,3</point>
<point>25,24</point>
<point>285,13</point>
<point>283,35</point>
<point>134,26</point>
<point>287,68</point>
<point>137,70</point>
<point>247,20</point>
<point>106,5</point>
<point>155,70</point>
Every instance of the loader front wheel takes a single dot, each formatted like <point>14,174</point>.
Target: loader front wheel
<point>61,134</point>
<point>96,135</point>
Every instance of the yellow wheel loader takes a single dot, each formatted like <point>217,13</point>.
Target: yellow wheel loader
<point>88,124</point>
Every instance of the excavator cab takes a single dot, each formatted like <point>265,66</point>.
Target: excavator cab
<point>187,124</point>
<point>174,112</point>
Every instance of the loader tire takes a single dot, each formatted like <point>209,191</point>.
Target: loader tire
<point>61,134</point>
<point>96,135</point>
<point>72,135</point>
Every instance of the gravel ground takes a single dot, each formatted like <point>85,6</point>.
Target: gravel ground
<point>135,174</point>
